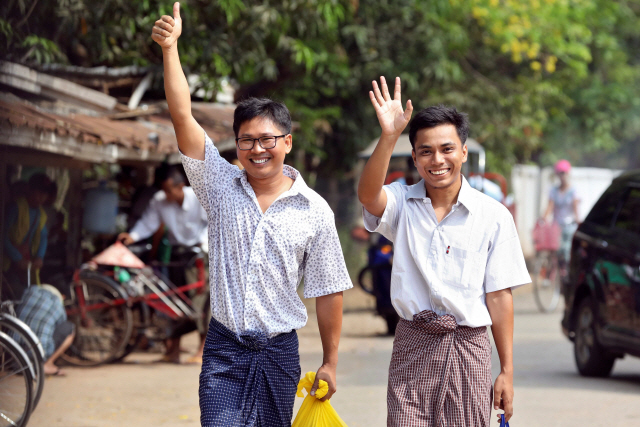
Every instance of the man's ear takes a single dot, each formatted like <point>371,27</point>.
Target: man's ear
<point>413,156</point>
<point>465,152</point>
<point>288,143</point>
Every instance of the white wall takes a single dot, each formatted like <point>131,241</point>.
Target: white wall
<point>531,188</point>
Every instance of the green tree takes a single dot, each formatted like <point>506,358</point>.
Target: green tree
<point>539,78</point>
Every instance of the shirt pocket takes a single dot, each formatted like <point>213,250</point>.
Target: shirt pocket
<point>464,268</point>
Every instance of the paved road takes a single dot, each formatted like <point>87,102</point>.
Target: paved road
<point>549,392</point>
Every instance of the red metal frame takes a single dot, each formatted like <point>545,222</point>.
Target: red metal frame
<point>152,300</point>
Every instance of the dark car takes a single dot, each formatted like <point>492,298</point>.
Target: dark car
<point>602,292</point>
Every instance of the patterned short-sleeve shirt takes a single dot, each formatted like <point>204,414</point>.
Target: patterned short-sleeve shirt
<point>256,259</point>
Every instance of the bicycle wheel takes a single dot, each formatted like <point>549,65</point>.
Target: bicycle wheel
<point>24,336</point>
<point>16,381</point>
<point>103,320</point>
<point>546,281</point>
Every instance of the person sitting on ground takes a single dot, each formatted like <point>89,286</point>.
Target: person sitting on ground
<point>42,310</point>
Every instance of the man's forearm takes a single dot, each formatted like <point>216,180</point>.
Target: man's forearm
<point>176,87</point>
<point>329,312</point>
<point>375,171</point>
<point>500,305</point>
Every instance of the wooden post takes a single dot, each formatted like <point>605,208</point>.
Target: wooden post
<point>3,200</point>
<point>74,236</point>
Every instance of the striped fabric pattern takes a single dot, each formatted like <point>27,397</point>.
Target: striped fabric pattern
<point>440,374</point>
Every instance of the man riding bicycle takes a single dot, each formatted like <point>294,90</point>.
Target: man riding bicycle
<point>563,203</point>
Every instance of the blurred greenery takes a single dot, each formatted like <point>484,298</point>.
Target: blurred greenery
<point>540,79</point>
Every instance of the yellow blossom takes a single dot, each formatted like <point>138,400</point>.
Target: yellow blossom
<point>550,66</point>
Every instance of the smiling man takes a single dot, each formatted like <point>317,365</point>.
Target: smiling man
<point>456,257</point>
<point>267,230</point>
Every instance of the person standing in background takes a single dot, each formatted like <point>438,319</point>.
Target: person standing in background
<point>25,234</point>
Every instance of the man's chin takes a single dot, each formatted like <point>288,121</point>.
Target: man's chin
<point>435,183</point>
<point>260,173</point>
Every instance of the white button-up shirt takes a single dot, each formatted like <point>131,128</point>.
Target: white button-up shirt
<point>449,267</point>
<point>256,259</point>
<point>186,224</point>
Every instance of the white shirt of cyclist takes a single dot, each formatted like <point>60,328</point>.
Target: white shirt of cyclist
<point>256,259</point>
<point>186,224</point>
<point>448,267</point>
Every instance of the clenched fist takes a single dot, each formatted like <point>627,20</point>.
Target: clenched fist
<point>166,30</point>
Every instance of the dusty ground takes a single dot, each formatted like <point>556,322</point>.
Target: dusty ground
<point>548,390</point>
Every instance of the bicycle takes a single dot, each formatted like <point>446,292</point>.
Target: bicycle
<point>113,312</point>
<point>16,383</point>
<point>550,267</point>
<point>22,334</point>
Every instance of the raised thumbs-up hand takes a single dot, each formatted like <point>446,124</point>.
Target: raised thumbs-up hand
<point>167,29</point>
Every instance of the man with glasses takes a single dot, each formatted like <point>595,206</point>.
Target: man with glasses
<point>267,230</point>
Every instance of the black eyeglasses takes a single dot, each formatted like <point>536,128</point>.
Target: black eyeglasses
<point>265,142</point>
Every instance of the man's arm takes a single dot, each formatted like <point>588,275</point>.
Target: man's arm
<point>329,312</point>
<point>500,305</point>
<point>146,226</point>
<point>392,121</point>
<point>190,135</point>
<point>549,211</point>
<point>575,204</point>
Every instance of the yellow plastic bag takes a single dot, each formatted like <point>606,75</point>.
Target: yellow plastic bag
<point>313,412</point>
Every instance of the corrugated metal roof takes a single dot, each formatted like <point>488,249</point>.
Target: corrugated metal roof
<point>110,72</point>
<point>216,119</point>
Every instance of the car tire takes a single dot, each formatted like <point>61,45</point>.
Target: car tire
<point>591,358</point>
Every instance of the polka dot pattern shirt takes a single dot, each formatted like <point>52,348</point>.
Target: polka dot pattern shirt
<point>256,259</point>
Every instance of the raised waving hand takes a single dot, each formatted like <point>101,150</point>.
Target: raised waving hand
<point>392,118</point>
<point>167,29</point>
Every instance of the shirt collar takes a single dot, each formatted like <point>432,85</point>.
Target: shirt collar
<point>188,196</point>
<point>298,187</point>
<point>466,196</point>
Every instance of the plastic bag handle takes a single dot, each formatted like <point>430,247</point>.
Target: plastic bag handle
<point>503,423</point>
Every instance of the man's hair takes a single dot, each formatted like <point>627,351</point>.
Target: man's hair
<point>439,115</point>
<point>251,108</point>
<point>40,182</point>
<point>172,173</point>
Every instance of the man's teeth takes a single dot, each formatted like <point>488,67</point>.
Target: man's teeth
<point>440,172</point>
<point>259,160</point>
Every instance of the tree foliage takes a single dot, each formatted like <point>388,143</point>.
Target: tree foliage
<point>539,78</point>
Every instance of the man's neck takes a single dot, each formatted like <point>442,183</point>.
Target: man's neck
<point>446,196</point>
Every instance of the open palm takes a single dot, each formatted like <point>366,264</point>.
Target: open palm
<point>392,118</point>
